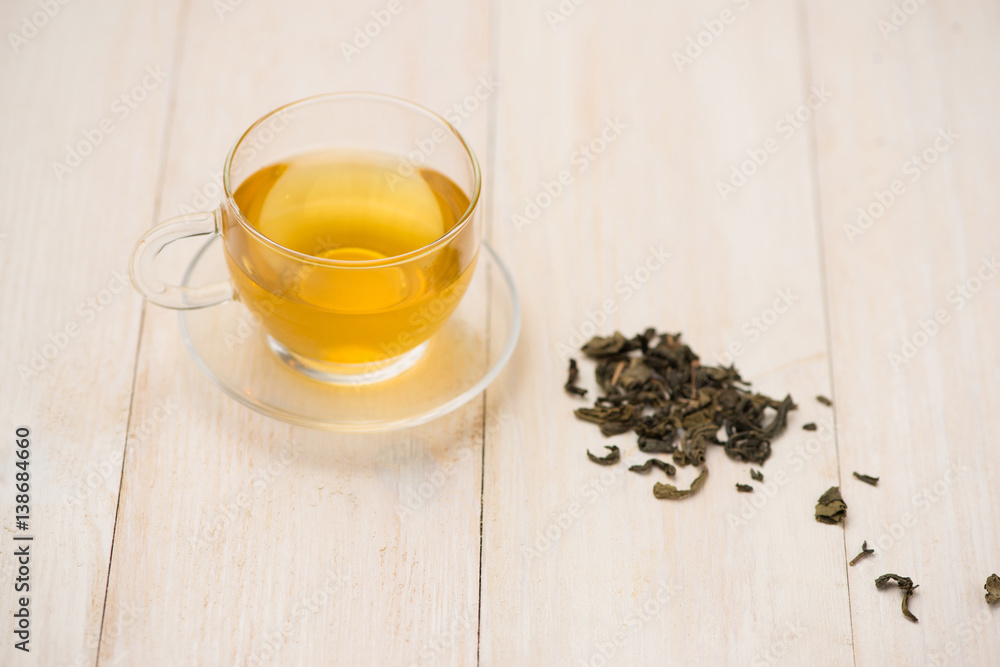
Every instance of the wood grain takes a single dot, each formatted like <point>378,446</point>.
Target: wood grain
<point>582,564</point>
<point>920,111</point>
<point>695,167</point>
<point>245,541</point>
<point>71,320</point>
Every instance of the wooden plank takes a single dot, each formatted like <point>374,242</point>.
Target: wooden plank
<point>85,104</point>
<point>583,564</point>
<point>245,541</point>
<point>915,360</point>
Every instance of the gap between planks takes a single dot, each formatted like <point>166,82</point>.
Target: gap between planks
<point>168,122</point>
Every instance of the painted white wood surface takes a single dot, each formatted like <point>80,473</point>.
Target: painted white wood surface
<point>239,540</point>
<point>70,319</point>
<point>919,109</point>
<point>308,548</point>
<point>633,579</point>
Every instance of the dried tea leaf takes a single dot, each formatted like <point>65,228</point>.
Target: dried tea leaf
<point>825,401</point>
<point>749,439</point>
<point>906,585</point>
<point>613,457</point>
<point>992,589</point>
<point>865,552</point>
<point>655,446</point>
<point>748,447</point>
<point>811,426</point>
<point>831,507</point>
<point>756,475</point>
<point>644,339</point>
<point>671,492</point>
<point>780,420</point>
<point>601,415</point>
<point>867,479</point>
<point>744,488</point>
<point>694,444</point>
<point>574,375</point>
<point>609,429</point>
<point>633,374</point>
<point>600,347</point>
<point>661,425</point>
<point>650,463</point>
<point>902,582</point>
<point>907,593</point>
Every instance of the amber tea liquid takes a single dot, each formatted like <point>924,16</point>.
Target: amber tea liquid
<point>359,208</point>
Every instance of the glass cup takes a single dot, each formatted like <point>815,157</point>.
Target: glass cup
<point>331,311</point>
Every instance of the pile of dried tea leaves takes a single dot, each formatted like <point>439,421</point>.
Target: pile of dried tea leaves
<point>654,385</point>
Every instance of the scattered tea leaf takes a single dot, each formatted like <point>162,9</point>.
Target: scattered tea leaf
<point>906,585</point>
<point>865,552</point>
<point>744,488</point>
<point>831,507</point>
<point>671,492</point>
<point>992,589</point>
<point>809,427</point>
<point>902,582</point>
<point>574,375</point>
<point>824,400</point>
<point>907,593</point>
<point>613,457</point>
<point>867,479</point>
<point>756,475</point>
<point>600,347</point>
<point>650,463</point>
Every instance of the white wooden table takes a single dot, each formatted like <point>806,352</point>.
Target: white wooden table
<point>173,526</point>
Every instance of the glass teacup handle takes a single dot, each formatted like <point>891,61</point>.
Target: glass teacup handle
<point>144,277</point>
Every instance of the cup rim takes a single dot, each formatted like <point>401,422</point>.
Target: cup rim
<point>438,243</point>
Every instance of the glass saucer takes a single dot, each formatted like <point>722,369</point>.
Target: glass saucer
<point>461,359</point>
